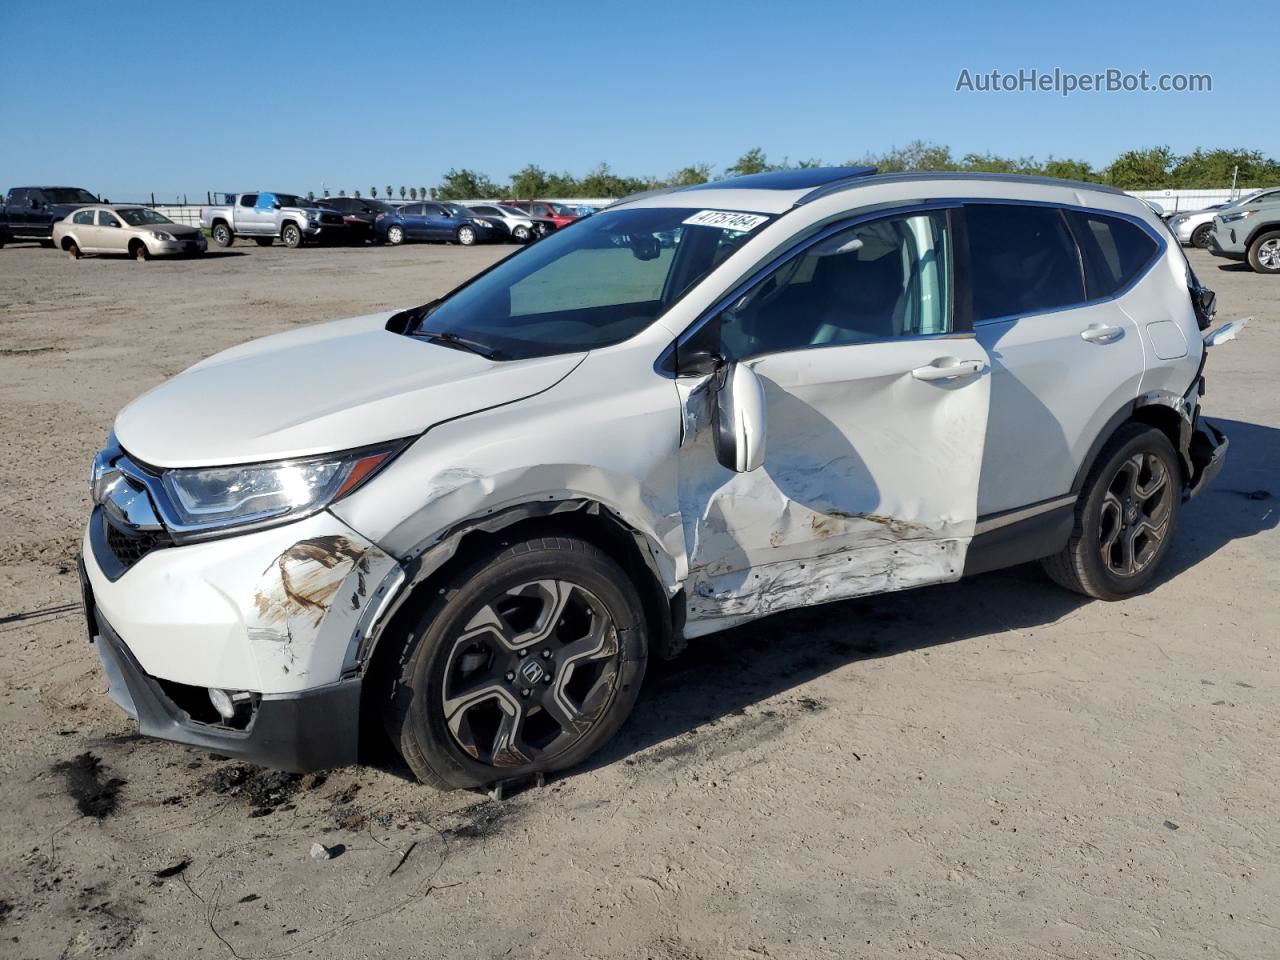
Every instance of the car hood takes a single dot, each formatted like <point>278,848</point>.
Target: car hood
<point>326,387</point>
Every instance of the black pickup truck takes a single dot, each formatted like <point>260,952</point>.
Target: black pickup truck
<point>29,213</point>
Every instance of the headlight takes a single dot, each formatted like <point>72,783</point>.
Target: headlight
<point>161,235</point>
<point>268,493</point>
<point>1233,217</point>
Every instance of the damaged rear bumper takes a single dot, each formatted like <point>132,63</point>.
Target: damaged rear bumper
<point>1207,453</point>
<point>312,730</point>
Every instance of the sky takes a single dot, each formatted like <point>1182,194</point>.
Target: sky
<point>172,98</point>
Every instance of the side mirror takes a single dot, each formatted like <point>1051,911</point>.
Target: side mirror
<point>738,419</point>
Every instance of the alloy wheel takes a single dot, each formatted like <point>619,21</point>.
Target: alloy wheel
<point>395,235</point>
<point>531,674</point>
<point>1269,254</point>
<point>1135,515</point>
<point>466,236</point>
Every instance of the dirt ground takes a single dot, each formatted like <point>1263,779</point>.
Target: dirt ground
<point>991,769</point>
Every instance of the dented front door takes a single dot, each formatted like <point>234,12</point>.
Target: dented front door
<point>870,481</point>
<point>876,412</point>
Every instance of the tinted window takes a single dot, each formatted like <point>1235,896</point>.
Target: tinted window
<point>886,278</point>
<point>1022,260</point>
<point>18,196</point>
<point>411,209</point>
<point>434,210</point>
<point>249,200</point>
<point>107,220</point>
<point>84,217</point>
<point>488,211</point>
<point>1115,251</point>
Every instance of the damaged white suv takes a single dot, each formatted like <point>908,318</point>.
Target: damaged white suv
<point>470,523</point>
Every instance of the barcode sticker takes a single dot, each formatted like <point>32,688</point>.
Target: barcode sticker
<point>726,220</point>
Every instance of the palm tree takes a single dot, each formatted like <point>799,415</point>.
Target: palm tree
<point>403,191</point>
<point>311,195</point>
<point>373,192</point>
<point>422,192</point>
<point>413,193</point>
<point>388,192</point>
<point>357,194</point>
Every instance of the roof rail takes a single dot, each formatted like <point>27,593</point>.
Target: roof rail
<point>838,186</point>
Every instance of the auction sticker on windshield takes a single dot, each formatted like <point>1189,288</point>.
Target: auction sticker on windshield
<point>726,220</point>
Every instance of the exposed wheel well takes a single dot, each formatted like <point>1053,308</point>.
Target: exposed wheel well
<point>597,527</point>
<point>67,242</point>
<point>134,244</point>
<point>219,220</point>
<point>1165,419</point>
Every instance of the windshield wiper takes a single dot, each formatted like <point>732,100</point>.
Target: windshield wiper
<point>461,343</point>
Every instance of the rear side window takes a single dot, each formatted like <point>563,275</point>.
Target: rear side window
<point>1022,259</point>
<point>17,197</point>
<point>84,217</point>
<point>1115,251</point>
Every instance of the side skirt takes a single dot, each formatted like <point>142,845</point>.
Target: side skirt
<point>1020,536</point>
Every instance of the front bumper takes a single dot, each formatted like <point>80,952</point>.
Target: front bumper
<point>1223,243</point>
<point>163,248</point>
<point>312,730</point>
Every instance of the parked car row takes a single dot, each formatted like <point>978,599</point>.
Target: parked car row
<point>77,222</point>
<point>1194,226</point>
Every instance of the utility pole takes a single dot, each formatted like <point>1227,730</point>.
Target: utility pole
<point>1235,172</point>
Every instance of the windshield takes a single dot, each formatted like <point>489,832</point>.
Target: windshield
<point>68,195</point>
<point>138,216</point>
<point>598,284</point>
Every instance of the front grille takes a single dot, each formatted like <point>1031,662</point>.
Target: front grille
<point>128,548</point>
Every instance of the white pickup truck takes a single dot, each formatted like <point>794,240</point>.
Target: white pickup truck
<point>266,217</point>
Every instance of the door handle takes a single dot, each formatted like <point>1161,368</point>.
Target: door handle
<point>948,368</point>
<point>1101,333</point>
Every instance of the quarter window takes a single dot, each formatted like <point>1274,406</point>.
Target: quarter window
<point>1022,260</point>
<point>883,279</point>
<point>1115,251</point>
<point>83,217</point>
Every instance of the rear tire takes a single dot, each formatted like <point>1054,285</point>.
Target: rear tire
<point>291,235</point>
<point>1125,517</point>
<point>1200,236</point>
<point>264,241</point>
<point>73,251</point>
<point>1264,253</point>
<point>222,235</point>
<point>526,662</point>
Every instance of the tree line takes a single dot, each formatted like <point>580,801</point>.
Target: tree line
<point>1151,168</point>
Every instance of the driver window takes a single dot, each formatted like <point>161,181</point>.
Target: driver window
<point>107,220</point>
<point>879,280</point>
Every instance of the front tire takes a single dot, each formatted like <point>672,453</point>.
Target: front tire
<point>291,236</point>
<point>1200,236</point>
<point>1125,517</point>
<point>526,662</point>
<point>395,235</point>
<point>1264,253</point>
<point>466,236</point>
<point>222,235</point>
<point>138,250</point>
<point>521,233</point>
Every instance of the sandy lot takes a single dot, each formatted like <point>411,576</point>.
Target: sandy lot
<point>992,769</point>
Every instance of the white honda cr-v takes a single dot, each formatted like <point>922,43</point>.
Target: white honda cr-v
<point>471,522</point>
